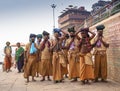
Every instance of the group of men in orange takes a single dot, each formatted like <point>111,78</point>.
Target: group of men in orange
<point>67,55</point>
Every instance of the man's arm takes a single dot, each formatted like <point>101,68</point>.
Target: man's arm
<point>93,35</point>
<point>68,44</point>
<point>104,43</point>
<point>77,36</point>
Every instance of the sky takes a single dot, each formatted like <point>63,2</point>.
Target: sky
<point>19,18</point>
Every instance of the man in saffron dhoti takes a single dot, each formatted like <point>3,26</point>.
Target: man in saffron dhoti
<point>86,63</point>
<point>72,47</point>
<point>38,63</point>
<point>65,56</point>
<point>100,55</point>
<point>31,58</point>
<point>8,57</point>
<point>57,59</point>
<point>46,62</point>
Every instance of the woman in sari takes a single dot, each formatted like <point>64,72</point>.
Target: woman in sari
<point>19,57</point>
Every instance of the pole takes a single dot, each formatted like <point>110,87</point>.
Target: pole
<point>53,6</point>
<point>53,18</point>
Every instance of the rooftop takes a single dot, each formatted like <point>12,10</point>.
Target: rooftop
<point>75,10</point>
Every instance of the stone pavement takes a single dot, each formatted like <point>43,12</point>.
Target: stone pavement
<point>14,81</point>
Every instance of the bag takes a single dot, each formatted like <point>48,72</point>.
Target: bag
<point>33,49</point>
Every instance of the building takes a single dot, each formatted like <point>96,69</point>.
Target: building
<point>72,17</point>
<point>97,6</point>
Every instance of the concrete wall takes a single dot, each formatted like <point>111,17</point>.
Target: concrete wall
<point>112,33</point>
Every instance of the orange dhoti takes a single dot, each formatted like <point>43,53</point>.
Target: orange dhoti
<point>100,65</point>
<point>7,62</point>
<point>86,67</point>
<point>64,70</point>
<point>64,61</point>
<point>37,67</point>
<point>57,67</point>
<point>46,67</point>
<point>30,67</point>
<point>73,65</point>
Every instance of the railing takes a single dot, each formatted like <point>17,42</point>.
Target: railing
<point>102,14</point>
<point>115,9</point>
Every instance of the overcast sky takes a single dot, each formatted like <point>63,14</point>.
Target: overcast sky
<point>19,18</point>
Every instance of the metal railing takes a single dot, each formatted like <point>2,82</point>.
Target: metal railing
<point>102,14</point>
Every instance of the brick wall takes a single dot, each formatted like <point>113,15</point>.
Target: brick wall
<point>112,33</point>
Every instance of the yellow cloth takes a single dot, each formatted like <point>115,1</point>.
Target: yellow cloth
<point>88,59</point>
